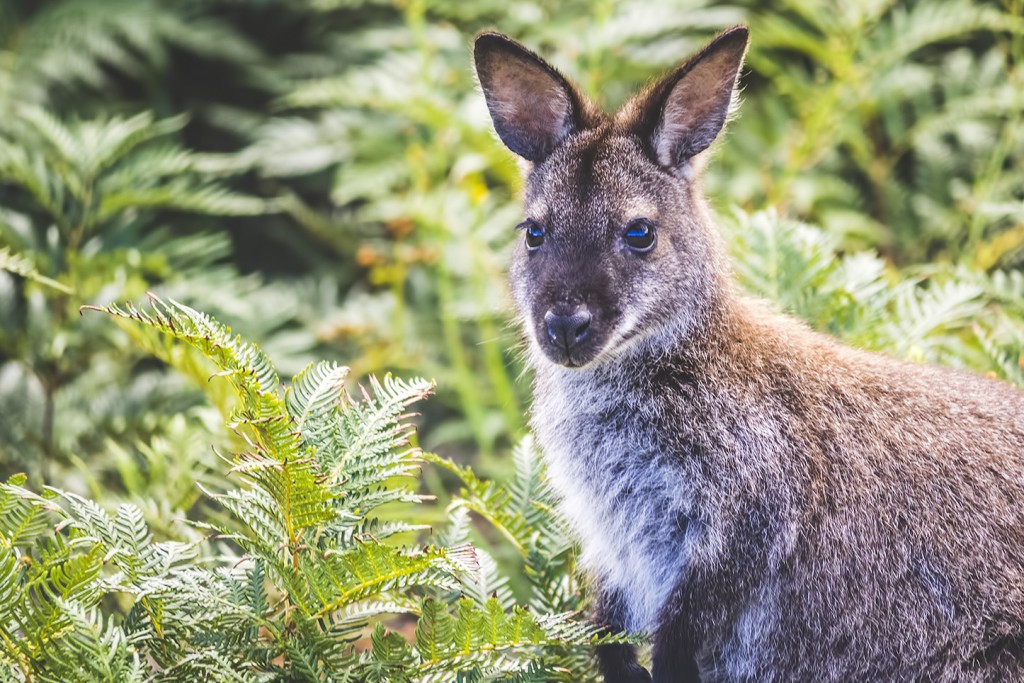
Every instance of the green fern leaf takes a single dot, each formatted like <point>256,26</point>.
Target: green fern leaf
<point>435,632</point>
<point>22,266</point>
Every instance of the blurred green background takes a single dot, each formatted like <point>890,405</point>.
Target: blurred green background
<point>321,175</point>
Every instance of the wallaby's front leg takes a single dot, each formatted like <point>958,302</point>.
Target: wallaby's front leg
<point>618,663</point>
<point>673,657</point>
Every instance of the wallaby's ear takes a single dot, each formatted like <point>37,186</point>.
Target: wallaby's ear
<point>683,114</point>
<point>534,108</point>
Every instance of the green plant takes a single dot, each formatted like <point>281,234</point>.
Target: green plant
<point>318,566</point>
<point>892,129</point>
<point>82,219</point>
<point>72,51</point>
<point>943,314</point>
<point>894,125</point>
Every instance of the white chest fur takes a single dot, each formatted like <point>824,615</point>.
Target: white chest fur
<point>624,498</point>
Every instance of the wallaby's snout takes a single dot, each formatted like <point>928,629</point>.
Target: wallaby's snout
<point>568,328</point>
<point>569,308</point>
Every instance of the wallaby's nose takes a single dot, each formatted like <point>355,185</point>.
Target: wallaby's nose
<point>568,328</point>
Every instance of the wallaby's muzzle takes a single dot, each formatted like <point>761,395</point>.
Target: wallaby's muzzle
<point>568,330</point>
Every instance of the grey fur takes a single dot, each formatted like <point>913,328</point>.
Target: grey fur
<point>769,504</point>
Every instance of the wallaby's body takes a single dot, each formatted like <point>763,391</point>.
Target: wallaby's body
<point>769,504</point>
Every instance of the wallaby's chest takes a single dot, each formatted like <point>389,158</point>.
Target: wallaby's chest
<point>626,497</point>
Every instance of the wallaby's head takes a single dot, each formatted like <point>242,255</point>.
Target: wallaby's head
<point>616,246</point>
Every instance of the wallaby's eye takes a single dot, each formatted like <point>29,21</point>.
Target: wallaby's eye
<point>639,235</point>
<point>534,234</point>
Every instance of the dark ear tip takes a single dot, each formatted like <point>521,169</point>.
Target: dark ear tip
<point>485,36</point>
<point>492,39</point>
<point>734,34</point>
<point>488,45</point>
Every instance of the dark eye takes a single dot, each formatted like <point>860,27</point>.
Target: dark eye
<point>534,234</point>
<point>639,235</point>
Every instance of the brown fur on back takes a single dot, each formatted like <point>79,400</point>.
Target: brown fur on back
<point>890,504</point>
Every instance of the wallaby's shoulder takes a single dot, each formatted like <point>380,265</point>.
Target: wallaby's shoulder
<point>853,404</point>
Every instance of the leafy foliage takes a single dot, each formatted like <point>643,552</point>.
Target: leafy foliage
<point>84,43</point>
<point>322,172</point>
<point>317,569</point>
<point>894,124</point>
<point>938,314</point>
<point>82,202</point>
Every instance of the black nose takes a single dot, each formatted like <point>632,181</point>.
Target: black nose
<point>568,328</point>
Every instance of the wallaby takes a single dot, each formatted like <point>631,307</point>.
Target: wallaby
<point>768,504</point>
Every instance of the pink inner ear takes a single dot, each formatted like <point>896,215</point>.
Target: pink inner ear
<point>529,101</point>
<point>696,108</point>
<point>688,106</point>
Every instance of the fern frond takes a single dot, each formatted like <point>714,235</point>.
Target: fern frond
<point>21,513</point>
<point>370,569</point>
<point>301,499</point>
<point>90,147</point>
<point>486,635</point>
<point>522,510</point>
<point>213,201</point>
<point>928,316</point>
<point>314,401</point>
<point>1005,354</point>
<point>487,583</point>
<point>246,367</point>
<point>922,24</point>
<point>353,617</point>
<point>92,648</point>
<point>84,42</point>
<point>20,265</point>
<point>373,428</point>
